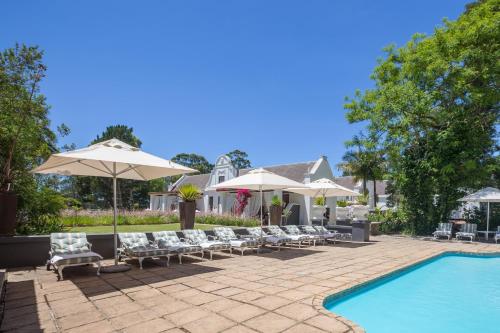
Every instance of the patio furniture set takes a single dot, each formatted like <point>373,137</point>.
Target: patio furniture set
<point>73,249</point>
<point>467,231</point>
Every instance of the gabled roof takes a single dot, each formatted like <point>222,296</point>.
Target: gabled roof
<point>293,171</point>
<point>350,183</point>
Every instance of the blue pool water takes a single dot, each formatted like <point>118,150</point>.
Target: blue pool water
<point>451,293</point>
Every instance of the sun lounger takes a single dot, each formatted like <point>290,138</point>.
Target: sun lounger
<point>294,239</point>
<point>469,230</point>
<point>240,243</point>
<point>135,245</point>
<point>295,231</point>
<point>329,235</point>
<point>170,240</point>
<point>71,249</point>
<point>264,238</point>
<point>207,243</point>
<point>323,237</point>
<point>443,230</point>
<point>497,235</point>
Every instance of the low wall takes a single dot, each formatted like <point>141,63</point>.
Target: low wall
<point>22,251</point>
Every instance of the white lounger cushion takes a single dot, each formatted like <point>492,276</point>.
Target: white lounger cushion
<point>76,258</point>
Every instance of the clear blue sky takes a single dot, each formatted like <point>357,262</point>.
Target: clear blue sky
<point>267,77</point>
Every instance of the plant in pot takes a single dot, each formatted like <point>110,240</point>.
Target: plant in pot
<point>188,193</point>
<point>276,210</point>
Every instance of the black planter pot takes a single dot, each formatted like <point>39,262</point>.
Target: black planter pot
<point>187,211</point>
<point>276,212</point>
<point>8,212</point>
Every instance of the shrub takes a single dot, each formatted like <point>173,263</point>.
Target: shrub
<point>105,217</point>
<point>276,201</point>
<point>226,220</point>
<point>319,201</point>
<point>42,214</point>
<point>189,192</point>
<point>341,203</point>
<point>391,221</point>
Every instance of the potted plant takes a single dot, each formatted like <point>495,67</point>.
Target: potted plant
<point>276,210</point>
<point>188,193</point>
<point>319,209</point>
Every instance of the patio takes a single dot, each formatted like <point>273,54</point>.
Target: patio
<point>273,292</point>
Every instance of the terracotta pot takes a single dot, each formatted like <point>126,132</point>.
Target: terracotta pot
<point>187,211</point>
<point>8,212</point>
<point>276,212</point>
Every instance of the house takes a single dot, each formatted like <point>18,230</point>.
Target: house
<point>220,202</point>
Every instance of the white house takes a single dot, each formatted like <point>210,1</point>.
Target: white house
<point>224,202</point>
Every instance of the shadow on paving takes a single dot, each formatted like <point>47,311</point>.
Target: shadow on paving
<point>92,286</point>
<point>289,253</point>
<point>21,308</point>
<point>354,245</point>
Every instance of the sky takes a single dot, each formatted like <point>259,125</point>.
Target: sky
<point>267,77</point>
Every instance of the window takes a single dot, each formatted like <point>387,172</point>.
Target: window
<point>211,203</point>
<point>221,179</point>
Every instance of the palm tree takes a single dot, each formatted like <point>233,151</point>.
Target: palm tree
<point>364,163</point>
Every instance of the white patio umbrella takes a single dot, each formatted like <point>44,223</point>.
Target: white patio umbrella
<point>259,180</point>
<point>487,194</point>
<point>113,159</point>
<point>325,188</point>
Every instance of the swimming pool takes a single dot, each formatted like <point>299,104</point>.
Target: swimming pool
<point>449,293</point>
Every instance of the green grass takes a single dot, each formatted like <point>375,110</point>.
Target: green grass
<point>102,229</point>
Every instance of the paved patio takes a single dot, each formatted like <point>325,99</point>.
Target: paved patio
<point>273,292</point>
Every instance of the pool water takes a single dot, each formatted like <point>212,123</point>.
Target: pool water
<point>450,293</point>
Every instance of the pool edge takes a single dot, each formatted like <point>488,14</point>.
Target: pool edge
<point>320,300</point>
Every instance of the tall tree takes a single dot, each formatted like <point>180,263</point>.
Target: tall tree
<point>26,139</point>
<point>193,161</point>
<point>239,159</point>
<point>25,136</point>
<point>436,105</point>
<point>364,161</point>
<point>120,132</point>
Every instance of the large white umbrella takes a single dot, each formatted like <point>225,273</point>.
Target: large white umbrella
<point>259,180</point>
<point>113,159</point>
<point>324,188</point>
<point>487,194</point>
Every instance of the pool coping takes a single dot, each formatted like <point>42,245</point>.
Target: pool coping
<point>320,300</point>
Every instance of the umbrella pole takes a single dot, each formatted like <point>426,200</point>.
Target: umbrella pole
<point>488,221</point>
<point>261,219</point>
<point>115,240</point>
<point>323,216</point>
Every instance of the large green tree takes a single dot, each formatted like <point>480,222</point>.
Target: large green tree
<point>364,160</point>
<point>239,159</point>
<point>436,106</point>
<point>194,161</point>
<point>26,139</point>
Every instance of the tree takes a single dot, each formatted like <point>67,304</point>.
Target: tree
<point>120,132</point>
<point>239,159</point>
<point>25,136</point>
<point>193,161</point>
<point>26,139</point>
<point>364,161</point>
<point>435,107</point>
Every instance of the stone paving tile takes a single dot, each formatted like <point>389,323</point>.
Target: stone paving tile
<point>270,323</point>
<point>273,292</point>
<point>211,324</point>
<point>242,312</point>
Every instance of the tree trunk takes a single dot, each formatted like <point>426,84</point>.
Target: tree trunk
<point>374,193</point>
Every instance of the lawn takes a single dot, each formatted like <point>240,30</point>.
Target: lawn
<point>136,228</point>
